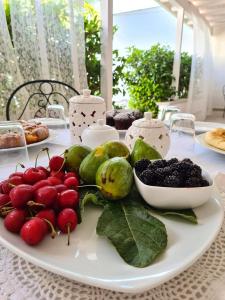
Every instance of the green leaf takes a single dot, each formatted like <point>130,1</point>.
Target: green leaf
<point>87,196</point>
<point>137,236</point>
<point>186,214</point>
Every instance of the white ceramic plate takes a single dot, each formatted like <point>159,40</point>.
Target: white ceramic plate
<point>52,135</point>
<point>201,140</point>
<point>50,121</point>
<point>93,260</point>
<point>201,127</point>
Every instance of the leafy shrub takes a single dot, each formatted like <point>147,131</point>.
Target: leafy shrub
<point>149,78</point>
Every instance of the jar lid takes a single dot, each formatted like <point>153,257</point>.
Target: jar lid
<point>148,122</point>
<point>87,98</point>
<point>100,125</point>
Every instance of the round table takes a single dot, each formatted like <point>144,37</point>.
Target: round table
<point>20,280</point>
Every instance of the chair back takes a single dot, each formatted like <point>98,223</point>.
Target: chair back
<point>30,99</point>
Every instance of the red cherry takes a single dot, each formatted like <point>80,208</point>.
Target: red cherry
<point>33,175</point>
<point>58,174</point>
<point>4,199</point>
<point>6,188</point>
<point>56,163</point>
<point>69,198</point>
<point>15,180</point>
<point>54,180</point>
<point>33,231</point>
<point>60,188</point>
<point>1,183</point>
<point>44,170</point>
<point>40,184</point>
<point>46,195</point>
<point>49,215</point>
<point>15,220</point>
<point>16,174</point>
<point>20,195</point>
<point>71,183</point>
<point>67,221</point>
<point>70,174</point>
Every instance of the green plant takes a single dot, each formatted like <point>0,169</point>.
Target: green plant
<point>149,78</point>
<point>92,25</point>
<point>185,71</point>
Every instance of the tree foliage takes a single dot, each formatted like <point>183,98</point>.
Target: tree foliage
<point>148,77</point>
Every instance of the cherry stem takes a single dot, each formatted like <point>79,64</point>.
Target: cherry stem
<point>64,161</point>
<point>42,150</point>
<point>5,213</point>
<point>2,206</point>
<point>19,164</point>
<point>30,212</point>
<point>90,185</point>
<point>6,208</point>
<point>64,152</point>
<point>68,233</point>
<point>32,203</point>
<point>53,232</point>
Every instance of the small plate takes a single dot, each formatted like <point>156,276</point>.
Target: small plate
<point>52,135</point>
<point>93,260</point>
<point>201,140</point>
<point>51,122</point>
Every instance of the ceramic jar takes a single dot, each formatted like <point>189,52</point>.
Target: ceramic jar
<point>152,131</point>
<point>98,134</point>
<point>84,110</point>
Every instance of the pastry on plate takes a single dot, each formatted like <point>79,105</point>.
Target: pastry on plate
<point>34,132</point>
<point>216,138</point>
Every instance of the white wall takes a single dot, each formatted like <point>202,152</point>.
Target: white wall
<point>218,41</point>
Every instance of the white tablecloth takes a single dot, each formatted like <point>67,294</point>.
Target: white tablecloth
<point>20,280</point>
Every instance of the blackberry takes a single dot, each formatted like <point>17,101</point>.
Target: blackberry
<point>171,181</point>
<point>148,177</point>
<point>181,167</point>
<point>159,176</point>
<point>159,163</point>
<point>172,161</point>
<point>167,170</point>
<point>204,182</point>
<point>141,165</point>
<point>193,182</point>
<point>195,171</point>
<point>187,160</point>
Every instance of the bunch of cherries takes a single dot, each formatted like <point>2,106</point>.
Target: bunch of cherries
<point>40,200</point>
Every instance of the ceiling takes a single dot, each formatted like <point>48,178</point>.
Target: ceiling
<point>213,11</point>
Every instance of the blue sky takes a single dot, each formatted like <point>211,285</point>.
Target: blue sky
<point>145,27</point>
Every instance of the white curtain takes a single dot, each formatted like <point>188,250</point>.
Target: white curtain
<point>10,76</point>
<point>199,99</point>
<point>48,37</point>
<point>47,43</point>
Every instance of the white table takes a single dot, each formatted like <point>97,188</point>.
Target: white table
<point>20,280</point>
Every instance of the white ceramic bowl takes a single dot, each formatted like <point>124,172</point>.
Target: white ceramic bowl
<point>175,198</point>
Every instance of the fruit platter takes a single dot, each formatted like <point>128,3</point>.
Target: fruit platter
<point>83,215</point>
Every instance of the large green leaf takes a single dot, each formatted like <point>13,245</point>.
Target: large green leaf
<point>137,236</point>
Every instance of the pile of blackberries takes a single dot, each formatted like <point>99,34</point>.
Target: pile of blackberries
<point>170,173</point>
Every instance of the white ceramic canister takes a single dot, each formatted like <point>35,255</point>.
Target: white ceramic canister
<point>152,131</point>
<point>98,134</point>
<point>84,110</point>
